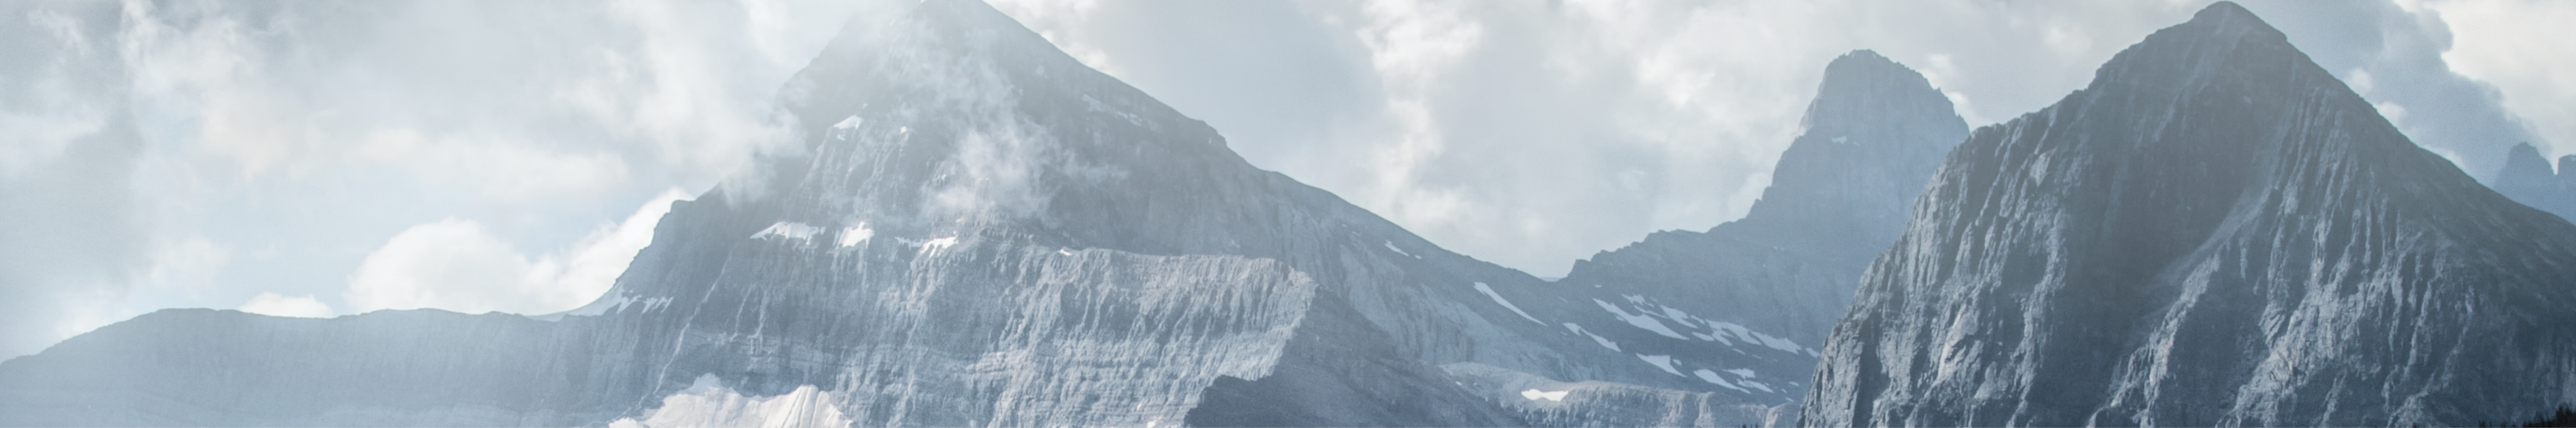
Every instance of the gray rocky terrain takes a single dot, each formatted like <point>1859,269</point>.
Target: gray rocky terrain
<point>2215,232</point>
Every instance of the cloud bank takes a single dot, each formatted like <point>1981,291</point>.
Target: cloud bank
<point>201,153</point>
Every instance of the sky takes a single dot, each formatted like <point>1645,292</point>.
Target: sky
<point>313,158</point>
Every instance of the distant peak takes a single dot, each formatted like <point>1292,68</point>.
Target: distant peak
<point>2525,149</point>
<point>2227,18</point>
<point>2223,10</point>
<point>2524,163</point>
<point>1860,58</point>
<point>1862,89</point>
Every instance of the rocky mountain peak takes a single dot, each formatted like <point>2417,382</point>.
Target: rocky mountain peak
<point>2527,178</point>
<point>2214,232</point>
<point>1860,91</point>
<point>1839,195</point>
<point>1874,131</point>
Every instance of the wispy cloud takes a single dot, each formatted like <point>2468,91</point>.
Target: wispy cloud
<point>457,265</point>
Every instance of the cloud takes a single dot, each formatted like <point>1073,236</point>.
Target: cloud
<point>2520,47</point>
<point>707,402</point>
<point>457,265</point>
<point>187,153</point>
<point>271,304</point>
<point>452,264</point>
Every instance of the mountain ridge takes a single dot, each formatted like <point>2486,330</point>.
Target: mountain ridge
<point>2214,223</point>
<point>979,231</point>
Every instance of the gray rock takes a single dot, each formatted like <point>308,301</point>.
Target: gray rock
<point>2527,178</point>
<point>2215,232</point>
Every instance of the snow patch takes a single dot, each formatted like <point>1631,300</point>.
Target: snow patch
<point>708,403</point>
<point>1679,317</point>
<point>788,230</point>
<point>1742,373</point>
<point>1660,361</point>
<point>1641,321</point>
<point>846,128</point>
<point>1721,329</point>
<point>1605,343</point>
<point>1390,246</point>
<point>1535,395</point>
<point>932,247</point>
<point>1507,304</point>
<point>1712,377</point>
<point>854,235</point>
<point>1842,140</point>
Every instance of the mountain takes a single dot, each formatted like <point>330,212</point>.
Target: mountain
<point>979,231</point>
<point>2527,178</point>
<point>2214,232</point>
<point>1840,194</point>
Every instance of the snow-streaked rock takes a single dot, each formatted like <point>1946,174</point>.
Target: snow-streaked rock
<point>1764,290</point>
<point>2215,232</point>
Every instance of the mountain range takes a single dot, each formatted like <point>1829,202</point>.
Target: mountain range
<point>982,231</point>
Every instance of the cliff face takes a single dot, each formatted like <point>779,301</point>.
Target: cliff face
<point>2215,232</point>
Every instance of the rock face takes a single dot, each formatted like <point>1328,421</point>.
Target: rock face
<point>2215,232</point>
<point>980,231</point>
<point>1840,194</point>
<point>2527,178</point>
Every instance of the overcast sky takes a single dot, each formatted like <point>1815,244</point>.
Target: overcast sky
<point>312,158</point>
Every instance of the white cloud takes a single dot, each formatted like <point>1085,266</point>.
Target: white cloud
<point>457,265</point>
<point>51,114</point>
<point>185,153</point>
<point>708,403</point>
<point>272,304</point>
<point>453,265</point>
<point>2522,48</point>
<point>591,267</point>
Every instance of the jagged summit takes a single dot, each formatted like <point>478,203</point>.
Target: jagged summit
<point>2215,232</point>
<point>1874,132</point>
<point>1861,87</point>
<point>2527,178</point>
<point>1839,195</point>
